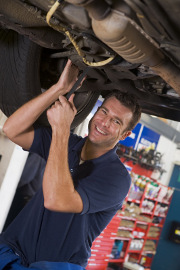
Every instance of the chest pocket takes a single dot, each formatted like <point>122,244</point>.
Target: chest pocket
<point>81,171</point>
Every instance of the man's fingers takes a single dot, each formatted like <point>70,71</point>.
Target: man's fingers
<point>69,63</point>
<point>71,101</point>
<point>83,80</point>
<point>57,102</point>
<point>74,68</point>
<point>71,98</point>
<point>63,101</point>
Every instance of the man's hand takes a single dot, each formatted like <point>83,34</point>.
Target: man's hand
<point>68,78</point>
<point>62,113</point>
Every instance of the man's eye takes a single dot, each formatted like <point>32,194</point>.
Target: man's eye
<point>104,111</point>
<point>116,122</point>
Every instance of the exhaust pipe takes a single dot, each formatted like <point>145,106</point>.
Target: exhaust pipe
<point>99,9</point>
<point>127,39</point>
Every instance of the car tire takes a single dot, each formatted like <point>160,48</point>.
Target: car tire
<point>20,60</point>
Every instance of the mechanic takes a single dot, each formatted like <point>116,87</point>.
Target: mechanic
<point>84,182</point>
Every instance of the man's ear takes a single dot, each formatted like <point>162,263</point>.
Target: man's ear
<point>125,135</point>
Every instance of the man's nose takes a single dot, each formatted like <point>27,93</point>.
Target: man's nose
<point>106,121</point>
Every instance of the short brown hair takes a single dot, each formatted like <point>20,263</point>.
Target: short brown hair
<point>129,101</point>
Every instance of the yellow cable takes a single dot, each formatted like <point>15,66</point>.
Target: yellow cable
<point>63,29</point>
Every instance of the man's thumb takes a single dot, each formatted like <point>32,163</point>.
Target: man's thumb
<point>71,98</point>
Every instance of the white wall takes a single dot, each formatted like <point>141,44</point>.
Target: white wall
<point>168,149</point>
<point>82,129</point>
<point>177,157</point>
<point>11,167</point>
<point>10,181</point>
<point>6,150</point>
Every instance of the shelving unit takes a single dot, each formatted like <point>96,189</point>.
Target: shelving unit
<point>133,233</point>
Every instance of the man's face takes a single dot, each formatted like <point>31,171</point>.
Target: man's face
<point>107,126</point>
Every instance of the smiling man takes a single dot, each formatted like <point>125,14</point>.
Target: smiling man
<point>109,124</point>
<point>84,182</point>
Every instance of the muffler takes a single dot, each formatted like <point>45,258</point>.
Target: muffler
<point>115,28</point>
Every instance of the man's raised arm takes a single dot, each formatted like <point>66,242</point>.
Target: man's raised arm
<point>19,126</point>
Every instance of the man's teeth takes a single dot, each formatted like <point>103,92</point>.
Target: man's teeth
<point>99,130</point>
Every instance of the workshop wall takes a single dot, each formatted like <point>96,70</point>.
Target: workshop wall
<point>167,148</point>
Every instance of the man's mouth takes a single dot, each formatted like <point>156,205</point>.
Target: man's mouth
<point>100,131</point>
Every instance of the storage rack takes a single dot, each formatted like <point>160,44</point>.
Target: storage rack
<point>134,231</point>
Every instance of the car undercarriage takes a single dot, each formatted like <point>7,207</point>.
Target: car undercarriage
<point>130,45</point>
